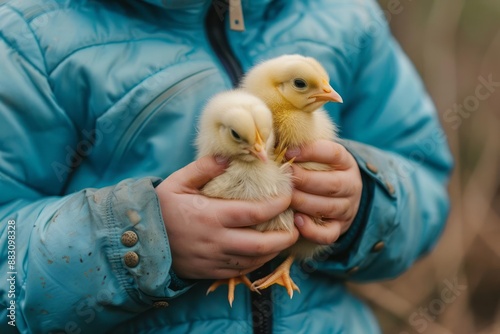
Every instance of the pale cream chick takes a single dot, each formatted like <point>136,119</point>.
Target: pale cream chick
<point>295,88</point>
<point>238,125</point>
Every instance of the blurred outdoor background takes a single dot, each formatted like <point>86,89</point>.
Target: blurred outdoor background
<point>455,45</point>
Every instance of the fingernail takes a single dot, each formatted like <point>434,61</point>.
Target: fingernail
<point>292,152</point>
<point>299,221</point>
<point>220,160</point>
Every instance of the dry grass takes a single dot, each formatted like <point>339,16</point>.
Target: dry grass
<point>453,43</point>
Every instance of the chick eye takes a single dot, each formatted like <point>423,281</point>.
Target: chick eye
<point>300,83</point>
<point>235,135</point>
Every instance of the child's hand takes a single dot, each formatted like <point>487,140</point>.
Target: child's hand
<point>332,195</point>
<point>207,236</point>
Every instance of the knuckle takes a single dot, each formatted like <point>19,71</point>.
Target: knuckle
<point>334,185</point>
<point>299,177</point>
<point>298,200</point>
<point>214,219</point>
<point>223,273</point>
<point>340,149</point>
<point>351,188</point>
<point>334,192</point>
<point>200,166</point>
<point>329,238</point>
<point>341,156</point>
<point>347,213</point>
<point>279,205</point>
<point>253,262</point>
<point>294,236</point>
<point>335,150</point>
<point>322,234</point>
<point>343,211</point>
<point>355,183</point>
<point>168,184</point>
<point>261,248</point>
<point>257,216</point>
<point>332,209</point>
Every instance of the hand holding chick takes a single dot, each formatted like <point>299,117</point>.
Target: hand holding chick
<point>335,193</point>
<point>207,237</point>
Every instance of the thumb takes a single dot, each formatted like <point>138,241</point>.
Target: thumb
<point>199,172</point>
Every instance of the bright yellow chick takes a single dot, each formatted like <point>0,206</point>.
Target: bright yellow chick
<point>238,125</point>
<point>295,88</point>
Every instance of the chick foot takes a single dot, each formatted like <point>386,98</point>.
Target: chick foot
<point>281,276</point>
<point>232,283</point>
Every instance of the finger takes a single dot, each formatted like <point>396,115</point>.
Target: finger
<point>223,266</point>
<point>224,273</point>
<point>241,262</point>
<point>330,184</point>
<point>320,206</point>
<point>321,234</point>
<point>249,242</point>
<point>199,172</point>
<point>323,151</point>
<point>236,213</point>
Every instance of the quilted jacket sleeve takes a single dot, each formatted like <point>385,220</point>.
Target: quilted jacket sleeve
<point>394,134</point>
<point>64,255</point>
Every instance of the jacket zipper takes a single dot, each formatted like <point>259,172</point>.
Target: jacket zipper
<point>217,37</point>
<point>148,111</point>
<point>262,305</point>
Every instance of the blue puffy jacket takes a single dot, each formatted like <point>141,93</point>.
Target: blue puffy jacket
<point>98,103</point>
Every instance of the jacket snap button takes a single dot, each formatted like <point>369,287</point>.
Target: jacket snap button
<point>372,168</point>
<point>160,304</point>
<point>378,246</point>
<point>131,259</point>
<point>390,188</point>
<point>353,270</point>
<point>129,238</point>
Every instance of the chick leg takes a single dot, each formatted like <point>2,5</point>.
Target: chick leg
<point>232,283</point>
<point>281,276</point>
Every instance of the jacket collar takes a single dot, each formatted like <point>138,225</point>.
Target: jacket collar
<point>179,4</point>
<point>195,10</point>
<point>202,4</point>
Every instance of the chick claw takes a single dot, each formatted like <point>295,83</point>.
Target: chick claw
<point>232,283</point>
<point>281,276</point>
<point>281,156</point>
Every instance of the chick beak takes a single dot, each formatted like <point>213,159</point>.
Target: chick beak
<point>258,148</point>
<point>328,94</point>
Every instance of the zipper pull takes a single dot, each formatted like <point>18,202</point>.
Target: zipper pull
<point>236,16</point>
